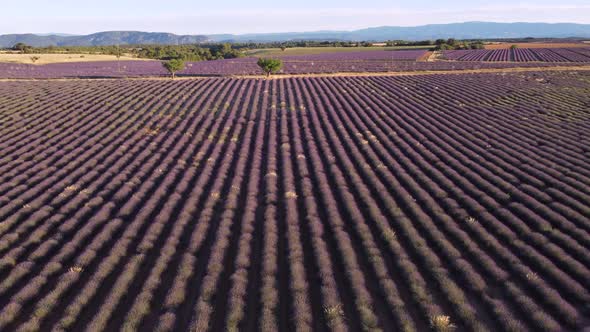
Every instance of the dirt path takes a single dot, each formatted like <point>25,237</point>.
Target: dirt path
<point>342,74</point>
<point>433,56</point>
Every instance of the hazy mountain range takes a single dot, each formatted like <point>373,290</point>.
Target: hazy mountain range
<point>467,30</point>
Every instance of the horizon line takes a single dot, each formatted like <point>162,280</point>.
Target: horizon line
<point>68,34</point>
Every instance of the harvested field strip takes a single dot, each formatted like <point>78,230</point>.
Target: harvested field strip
<point>350,203</point>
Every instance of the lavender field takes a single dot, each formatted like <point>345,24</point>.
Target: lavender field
<point>412,203</point>
<point>580,54</point>
<point>329,62</point>
<point>244,66</point>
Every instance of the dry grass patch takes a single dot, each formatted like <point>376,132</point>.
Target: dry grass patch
<point>43,59</point>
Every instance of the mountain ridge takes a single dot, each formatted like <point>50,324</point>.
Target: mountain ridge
<point>465,30</point>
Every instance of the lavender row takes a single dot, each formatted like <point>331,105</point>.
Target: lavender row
<point>521,55</point>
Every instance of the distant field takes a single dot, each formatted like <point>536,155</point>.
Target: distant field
<point>58,58</point>
<point>573,54</point>
<point>533,45</point>
<point>320,50</point>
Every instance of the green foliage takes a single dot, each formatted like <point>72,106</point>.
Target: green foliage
<point>22,47</point>
<point>269,65</point>
<point>225,51</point>
<point>452,41</point>
<point>477,45</point>
<point>444,47</point>
<point>173,66</point>
<point>409,43</point>
<point>513,47</point>
<point>453,44</point>
<point>189,52</point>
<point>169,52</point>
<point>199,52</point>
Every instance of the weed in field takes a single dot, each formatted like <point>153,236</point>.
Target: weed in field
<point>442,323</point>
<point>333,312</point>
<point>390,235</point>
<point>151,132</point>
<point>76,269</point>
<point>72,188</point>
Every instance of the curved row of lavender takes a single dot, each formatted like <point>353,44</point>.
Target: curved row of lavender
<point>353,62</point>
<point>521,55</point>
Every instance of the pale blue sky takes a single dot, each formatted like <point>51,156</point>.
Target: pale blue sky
<point>233,16</point>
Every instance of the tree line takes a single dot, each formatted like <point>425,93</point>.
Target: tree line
<point>215,51</point>
<point>188,52</point>
<point>454,44</point>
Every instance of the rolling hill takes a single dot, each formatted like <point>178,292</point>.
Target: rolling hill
<point>467,30</point>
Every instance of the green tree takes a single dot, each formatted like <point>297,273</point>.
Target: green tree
<point>118,55</point>
<point>477,45</point>
<point>444,47</point>
<point>440,42</point>
<point>22,47</point>
<point>513,47</point>
<point>173,66</point>
<point>270,65</point>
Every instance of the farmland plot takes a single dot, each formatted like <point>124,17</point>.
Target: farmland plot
<point>579,54</point>
<point>247,66</point>
<point>346,203</point>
